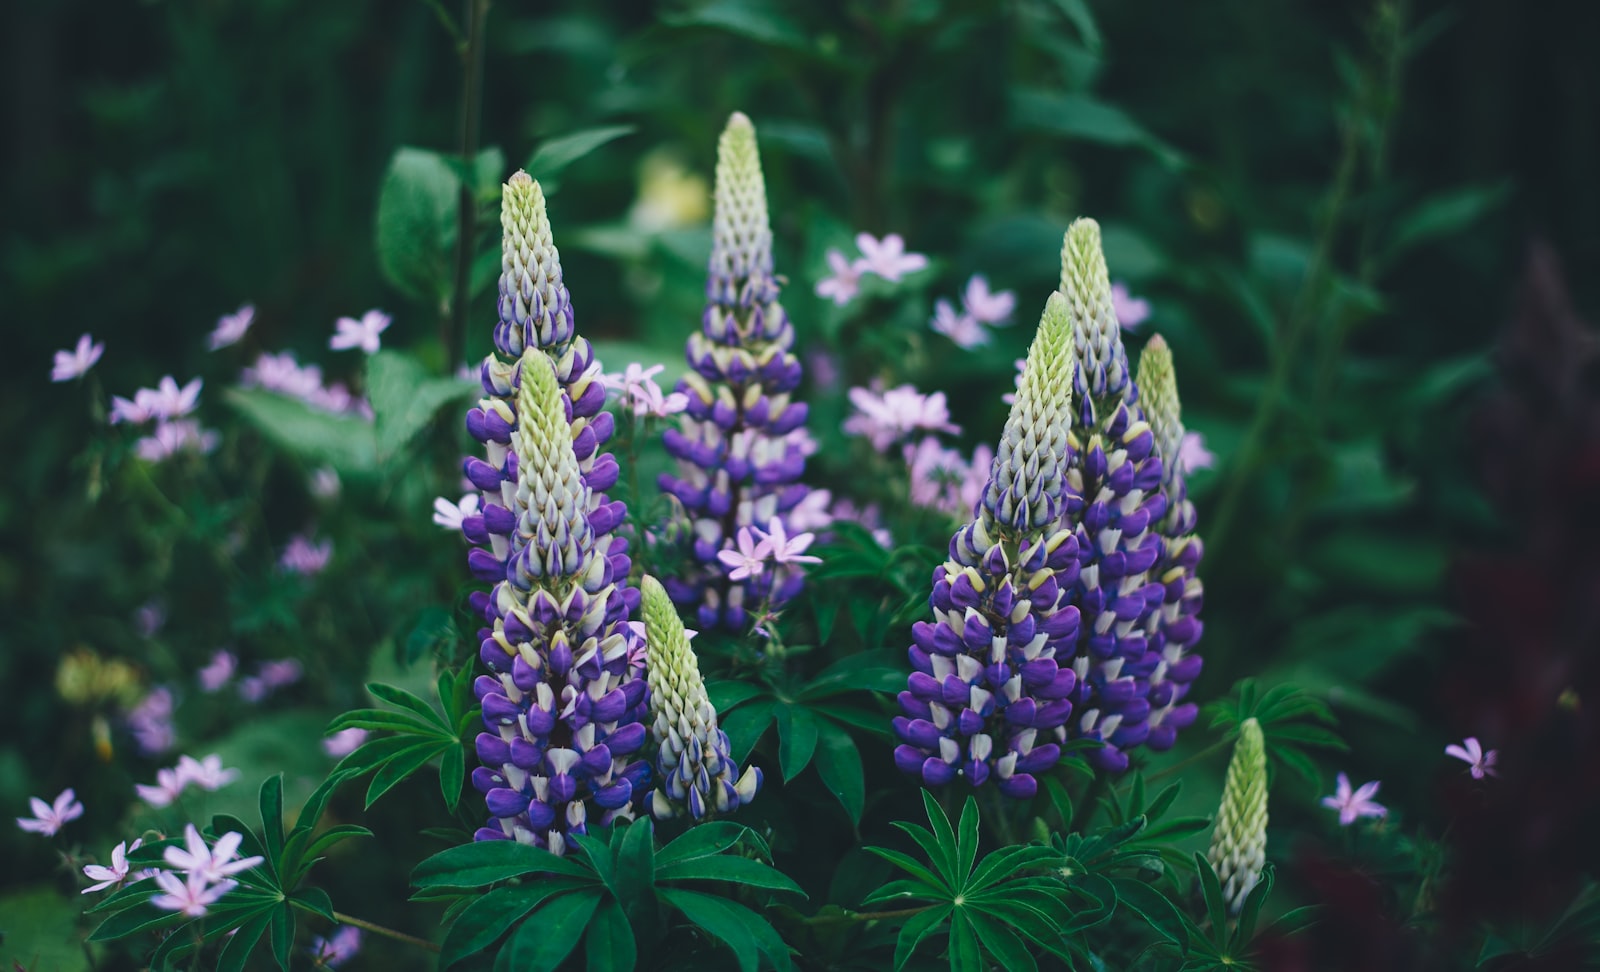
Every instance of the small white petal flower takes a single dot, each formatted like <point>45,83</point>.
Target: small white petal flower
<point>115,874</point>
<point>363,334</point>
<point>72,364</point>
<point>450,515</point>
<point>841,287</point>
<point>888,257</point>
<point>49,818</point>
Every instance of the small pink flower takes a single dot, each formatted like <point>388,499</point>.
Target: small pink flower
<point>964,329</point>
<point>888,417</point>
<point>231,327</point>
<point>344,742</point>
<point>986,307</point>
<point>132,412</point>
<point>749,559</point>
<point>304,557</point>
<point>167,400</point>
<point>338,948</point>
<point>1354,805</point>
<point>206,773</point>
<point>115,874</point>
<point>1193,454</point>
<point>842,286</point>
<point>888,257</point>
<point>640,391</point>
<point>218,671</point>
<point>208,863</point>
<point>1480,763</point>
<point>171,438</point>
<point>73,364</point>
<point>191,896</point>
<point>363,334</point>
<point>49,818</point>
<point>169,785</point>
<point>1131,311</point>
<point>784,549</point>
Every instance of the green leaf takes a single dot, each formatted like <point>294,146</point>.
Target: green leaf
<point>382,720</point>
<point>943,851</point>
<point>839,765</point>
<point>485,862</point>
<point>1000,942</point>
<point>400,766</point>
<point>400,698</point>
<point>405,398</point>
<point>1250,911</point>
<point>738,870</point>
<point>282,932</point>
<point>487,918</point>
<point>720,919</point>
<point>967,840</point>
<point>867,670</point>
<point>797,739</point>
<point>760,22</point>
<point>555,154</point>
<point>744,727</point>
<point>1083,117</point>
<point>1077,11</point>
<point>452,772</point>
<point>549,935</point>
<point>131,921</point>
<point>609,946</point>
<point>345,442</point>
<point>965,955</point>
<point>916,928</point>
<point>1007,862</point>
<point>236,950</point>
<point>636,861</point>
<point>1211,890</point>
<point>705,840</point>
<point>316,901</point>
<point>416,228</point>
<point>1444,215</point>
<point>725,694</point>
<point>874,722</point>
<point>271,799</point>
<point>1154,907</point>
<point>910,865</point>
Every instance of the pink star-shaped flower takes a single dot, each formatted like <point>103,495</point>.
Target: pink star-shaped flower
<point>191,896</point>
<point>987,307</point>
<point>1480,763</point>
<point>1354,805</point>
<point>209,863</point>
<point>1131,311</point>
<point>72,364</point>
<point>115,874</point>
<point>363,334</point>
<point>964,328</point>
<point>888,257</point>
<point>231,327</point>
<point>751,557</point>
<point>845,282</point>
<point>785,549</point>
<point>48,818</point>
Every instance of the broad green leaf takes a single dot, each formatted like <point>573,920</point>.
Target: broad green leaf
<point>416,227</point>
<point>609,945</point>
<point>720,919</point>
<point>405,398</point>
<point>916,928</point>
<point>549,935</point>
<point>738,870</point>
<point>345,442</point>
<point>703,841</point>
<point>1000,942</point>
<point>839,765</point>
<point>745,726</point>
<point>636,861</point>
<point>797,739</point>
<point>965,955</point>
<point>487,918</point>
<point>485,862</point>
<point>402,765</point>
<point>555,154</point>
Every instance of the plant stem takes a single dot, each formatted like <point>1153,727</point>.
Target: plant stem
<point>398,936</point>
<point>1187,760</point>
<point>455,324</point>
<point>865,915</point>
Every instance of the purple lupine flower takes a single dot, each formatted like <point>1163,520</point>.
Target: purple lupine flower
<point>1115,505</point>
<point>566,692</point>
<point>1174,628</point>
<point>738,453</point>
<point>75,363</point>
<point>992,682</point>
<point>49,818</point>
<point>231,328</point>
<point>364,333</point>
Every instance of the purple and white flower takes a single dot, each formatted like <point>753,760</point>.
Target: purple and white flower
<point>49,818</point>
<point>1354,804</point>
<point>987,307</point>
<point>106,877</point>
<point>1480,762</point>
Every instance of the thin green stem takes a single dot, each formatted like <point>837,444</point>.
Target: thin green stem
<point>841,918</point>
<point>398,936</point>
<point>455,323</point>
<point>448,23</point>
<point>1210,750</point>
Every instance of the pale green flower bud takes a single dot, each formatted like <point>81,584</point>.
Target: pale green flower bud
<point>551,499</point>
<point>534,306</point>
<point>1158,393</point>
<point>1103,362</point>
<point>1239,844</point>
<point>1027,478</point>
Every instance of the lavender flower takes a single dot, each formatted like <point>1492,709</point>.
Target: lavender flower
<point>231,328</point>
<point>1174,628</point>
<point>209,863</point>
<point>985,306</point>
<point>1354,804</point>
<point>1192,452</point>
<point>208,773</point>
<point>563,701</point>
<point>338,948</point>
<point>169,786</point>
<point>697,775</point>
<point>964,328</point>
<point>1479,762</point>
<point>305,557</point>
<point>151,722</point>
<point>749,559</point>
<point>219,671</point>
<point>1114,499</point>
<point>49,818</point>
<point>739,447</point>
<point>1130,311</point>
<point>887,257</point>
<point>891,416</point>
<point>841,287</point>
<point>364,333</point>
<point>75,363</point>
<point>191,896</point>
<point>106,877</point>
<point>990,691</point>
<point>1239,842</point>
<point>344,742</point>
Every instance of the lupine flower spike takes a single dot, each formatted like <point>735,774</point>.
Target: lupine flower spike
<point>1114,478</point>
<point>991,683</point>
<point>1174,628</point>
<point>1239,843</point>
<point>566,688</point>
<point>740,446</point>
<point>695,773</point>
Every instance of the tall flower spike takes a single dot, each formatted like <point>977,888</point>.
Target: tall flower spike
<point>740,445</point>
<point>1239,844</point>
<point>566,688</point>
<point>990,692</point>
<point>1114,481</point>
<point>1175,628</point>
<point>697,775</point>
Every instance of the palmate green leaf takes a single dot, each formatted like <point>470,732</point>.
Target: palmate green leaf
<point>271,800</point>
<point>943,851</point>
<point>839,764</point>
<point>609,945</point>
<point>1102,903</point>
<point>874,722</point>
<point>917,928</point>
<point>736,870</point>
<point>550,934</point>
<point>939,877</point>
<point>1041,925</point>
<point>486,918</point>
<point>999,941</point>
<point>483,863</point>
<point>1154,907</point>
<point>280,932</point>
<point>706,840</point>
<point>401,765</point>
<point>409,701</point>
<point>965,955</point>
<point>901,890</point>
<point>864,671</point>
<point>744,932</point>
<point>797,739</point>
<point>236,950</point>
<point>966,841</point>
<point>1008,862</point>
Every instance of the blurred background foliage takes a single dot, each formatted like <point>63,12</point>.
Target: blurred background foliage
<point>1327,204</point>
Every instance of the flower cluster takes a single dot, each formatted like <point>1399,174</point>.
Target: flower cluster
<point>979,306</point>
<point>201,873</point>
<point>696,774</point>
<point>1239,842</point>
<point>991,686</point>
<point>563,701</point>
<point>740,446</point>
<point>208,774</point>
<point>886,258</point>
<point>282,374</point>
<point>168,406</point>
<point>885,418</point>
